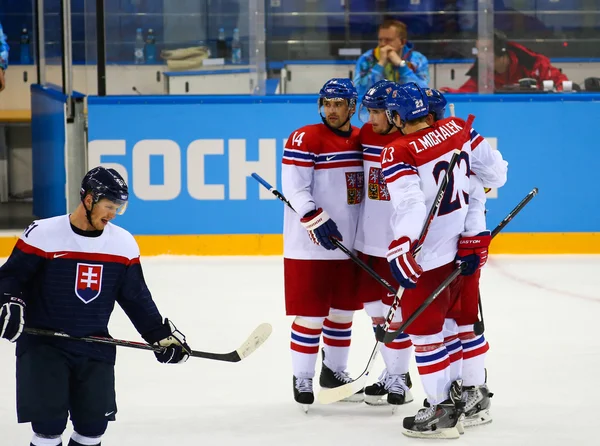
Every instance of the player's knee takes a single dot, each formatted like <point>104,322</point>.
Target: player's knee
<point>450,328</point>
<point>48,433</point>
<point>374,310</point>
<point>340,316</point>
<point>309,322</point>
<point>378,320</point>
<point>88,434</point>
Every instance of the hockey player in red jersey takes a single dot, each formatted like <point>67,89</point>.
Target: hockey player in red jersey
<point>413,167</point>
<point>65,274</point>
<point>468,350</point>
<point>372,239</point>
<point>322,178</point>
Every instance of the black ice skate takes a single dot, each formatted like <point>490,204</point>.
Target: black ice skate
<point>389,389</point>
<point>442,420</point>
<point>435,421</point>
<point>330,380</point>
<point>477,405</point>
<point>303,392</point>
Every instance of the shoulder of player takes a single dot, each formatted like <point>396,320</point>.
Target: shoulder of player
<point>395,151</point>
<point>128,246</point>
<point>305,138</point>
<point>40,233</point>
<point>452,121</point>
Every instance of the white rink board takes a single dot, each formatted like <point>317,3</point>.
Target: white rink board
<point>542,324</point>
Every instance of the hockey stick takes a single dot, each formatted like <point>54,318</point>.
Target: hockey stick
<point>254,341</point>
<point>390,336</point>
<point>328,396</point>
<point>336,242</point>
<point>479,326</point>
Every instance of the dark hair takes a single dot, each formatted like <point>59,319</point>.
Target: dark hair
<point>400,27</point>
<point>500,43</point>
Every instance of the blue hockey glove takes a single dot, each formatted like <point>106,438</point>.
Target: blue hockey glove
<point>321,229</point>
<point>405,268</point>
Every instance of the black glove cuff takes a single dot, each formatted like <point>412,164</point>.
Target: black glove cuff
<point>157,334</point>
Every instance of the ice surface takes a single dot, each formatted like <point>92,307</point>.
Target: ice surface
<point>542,322</point>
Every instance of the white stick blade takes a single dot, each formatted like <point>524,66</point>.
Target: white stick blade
<point>328,396</point>
<point>255,340</point>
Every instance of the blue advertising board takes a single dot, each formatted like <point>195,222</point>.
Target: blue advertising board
<point>188,159</point>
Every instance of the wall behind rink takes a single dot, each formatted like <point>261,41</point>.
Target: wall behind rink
<point>188,160</point>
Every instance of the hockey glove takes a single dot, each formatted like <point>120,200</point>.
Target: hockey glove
<point>176,350</point>
<point>473,250</point>
<point>321,229</point>
<point>405,268</point>
<point>12,317</point>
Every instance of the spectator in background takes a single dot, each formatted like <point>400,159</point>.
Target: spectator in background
<point>3,57</point>
<point>513,62</point>
<point>394,59</point>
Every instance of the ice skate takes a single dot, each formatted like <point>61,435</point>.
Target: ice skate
<point>389,389</point>
<point>303,392</point>
<point>477,405</point>
<point>330,380</point>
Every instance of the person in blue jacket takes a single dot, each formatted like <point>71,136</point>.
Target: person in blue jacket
<point>393,59</point>
<point>3,57</point>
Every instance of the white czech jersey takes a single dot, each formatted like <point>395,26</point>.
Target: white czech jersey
<point>413,167</point>
<point>374,232</point>
<point>321,169</point>
<point>486,162</point>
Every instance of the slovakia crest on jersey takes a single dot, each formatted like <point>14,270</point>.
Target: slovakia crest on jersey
<point>88,282</point>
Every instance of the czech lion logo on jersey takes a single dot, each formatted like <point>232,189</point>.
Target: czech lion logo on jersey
<point>88,282</point>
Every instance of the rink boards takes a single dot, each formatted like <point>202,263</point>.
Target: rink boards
<point>188,161</point>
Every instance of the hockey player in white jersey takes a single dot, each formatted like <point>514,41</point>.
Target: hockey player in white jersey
<point>468,349</point>
<point>323,180</point>
<point>372,239</point>
<point>413,167</point>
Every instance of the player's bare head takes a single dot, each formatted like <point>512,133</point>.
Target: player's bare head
<point>407,105</point>
<point>337,99</point>
<point>373,106</point>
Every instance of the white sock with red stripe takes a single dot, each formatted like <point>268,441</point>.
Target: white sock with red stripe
<point>454,348</point>
<point>433,363</point>
<point>396,354</point>
<point>337,331</point>
<point>306,336</point>
<point>474,352</point>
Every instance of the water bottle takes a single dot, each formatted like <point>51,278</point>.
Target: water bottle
<point>25,56</point>
<point>221,44</point>
<point>236,48</point>
<point>138,53</point>
<point>151,47</point>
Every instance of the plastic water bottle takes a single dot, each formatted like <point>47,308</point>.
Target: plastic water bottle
<point>221,44</point>
<point>25,55</point>
<point>138,53</point>
<point>151,47</point>
<point>236,48</point>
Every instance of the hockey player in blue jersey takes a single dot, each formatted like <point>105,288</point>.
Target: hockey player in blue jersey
<point>65,274</point>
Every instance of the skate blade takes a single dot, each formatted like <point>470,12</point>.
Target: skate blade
<point>478,419</point>
<point>304,407</point>
<point>376,400</point>
<point>450,433</point>
<point>360,398</point>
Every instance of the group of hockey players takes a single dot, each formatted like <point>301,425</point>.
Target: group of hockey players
<point>372,189</point>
